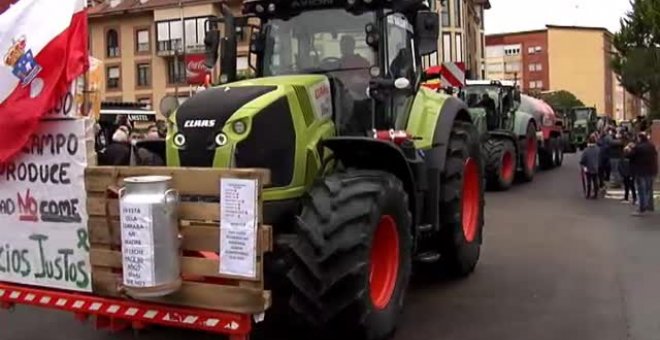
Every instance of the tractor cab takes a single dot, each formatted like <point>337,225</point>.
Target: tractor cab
<point>499,99</point>
<point>369,50</point>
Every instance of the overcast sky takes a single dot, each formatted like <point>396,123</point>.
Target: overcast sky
<point>519,15</point>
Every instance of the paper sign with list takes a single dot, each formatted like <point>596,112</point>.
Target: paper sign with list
<point>137,244</point>
<point>238,227</point>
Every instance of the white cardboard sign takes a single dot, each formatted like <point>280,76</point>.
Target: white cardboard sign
<point>43,212</point>
<point>238,227</point>
<point>137,245</point>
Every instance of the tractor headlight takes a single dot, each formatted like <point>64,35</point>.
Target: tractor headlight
<point>239,127</point>
<point>179,140</point>
<point>220,139</point>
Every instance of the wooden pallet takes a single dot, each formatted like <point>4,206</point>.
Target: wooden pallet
<point>203,286</point>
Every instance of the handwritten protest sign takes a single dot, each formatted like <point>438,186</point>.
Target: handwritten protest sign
<point>238,227</point>
<point>137,245</point>
<point>43,213</point>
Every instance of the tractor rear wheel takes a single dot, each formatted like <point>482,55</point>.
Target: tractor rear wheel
<point>353,255</point>
<point>500,163</point>
<point>546,154</point>
<point>559,152</point>
<point>462,201</point>
<point>530,154</point>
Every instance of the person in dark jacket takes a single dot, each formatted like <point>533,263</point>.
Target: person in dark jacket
<point>626,174</point>
<point>590,162</point>
<point>604,167</point>
<point>616,155</point>
<point>644,166</point>
<point>119,151</point>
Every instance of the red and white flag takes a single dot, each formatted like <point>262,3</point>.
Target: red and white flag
<point>43,45</point>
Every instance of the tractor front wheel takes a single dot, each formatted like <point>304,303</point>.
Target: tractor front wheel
<point>500,163</point>
<point>462,201</point>
<point>352,257</point>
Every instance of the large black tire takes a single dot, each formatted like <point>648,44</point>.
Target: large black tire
<point>462,202</point>
<point>559,152</point>
<point>500,163</point>
<point>340,240</point>
<point>546,154</point>
<point>529,155</point>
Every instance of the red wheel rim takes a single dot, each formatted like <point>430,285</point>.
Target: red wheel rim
<point>470,200</point>
<point>507,166</point>
<point>531,153</point>
<point>384,262</point>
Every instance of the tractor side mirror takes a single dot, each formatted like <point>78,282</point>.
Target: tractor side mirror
<point>211,44</point>
<point>427,28</point>
<point>517,97</point>
<point>257,42</point>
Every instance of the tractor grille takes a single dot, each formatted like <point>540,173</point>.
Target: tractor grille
<point>217,104</point>
<point>271,144</point>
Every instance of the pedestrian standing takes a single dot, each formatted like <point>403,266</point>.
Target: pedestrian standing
<point>644,165</point>
<point>604,167</point>
<point>626,174</point>
<point>590,162</point>
<point>616,155</point>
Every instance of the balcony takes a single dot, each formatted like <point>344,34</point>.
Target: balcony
<point>171,47</point>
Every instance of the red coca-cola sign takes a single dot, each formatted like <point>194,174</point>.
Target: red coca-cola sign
<point>195,70</point>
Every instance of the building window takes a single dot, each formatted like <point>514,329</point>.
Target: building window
<point>143,73</point>
<point>446,47</point>
<point>445,14</point>
<point>532,84</point>
<point>512,67</point>
<point>195,32</point>
<point>537,49</point>
<point>457,13</point>
<point>459,47</point>
<point>176,71</point>
<point>112,43</point>
<point>113,77</point>
<point>539,67</point>
<point>142,41</point>
<point>169,35</point>
<point>539,84</point>
<point>530,50</point>
<point>512,51</point>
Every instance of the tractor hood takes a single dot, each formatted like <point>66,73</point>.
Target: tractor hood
<point>250,123</point>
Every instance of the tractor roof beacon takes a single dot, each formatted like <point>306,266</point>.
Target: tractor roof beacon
<point>369,171</point>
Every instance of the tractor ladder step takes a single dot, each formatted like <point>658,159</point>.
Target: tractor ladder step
<point>428,257</point>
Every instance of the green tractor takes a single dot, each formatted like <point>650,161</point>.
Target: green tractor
<point>508,135</point>
<point>370,172</point>
<point>583,122</point>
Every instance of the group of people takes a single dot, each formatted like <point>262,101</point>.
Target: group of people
<point>123,148</point>
<point>622,158</point>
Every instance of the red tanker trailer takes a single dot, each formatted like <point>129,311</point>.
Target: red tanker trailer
<point>549,131</point>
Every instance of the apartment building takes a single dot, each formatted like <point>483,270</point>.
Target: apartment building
<point>576,59</point>
<point>150,48</point>
<point>462,34</point>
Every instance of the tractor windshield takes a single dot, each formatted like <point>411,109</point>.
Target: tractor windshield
<point>486,97</point>
<point>582,115</point>
<point>329,41</point>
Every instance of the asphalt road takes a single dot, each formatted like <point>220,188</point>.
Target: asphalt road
<point>553,266</point>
